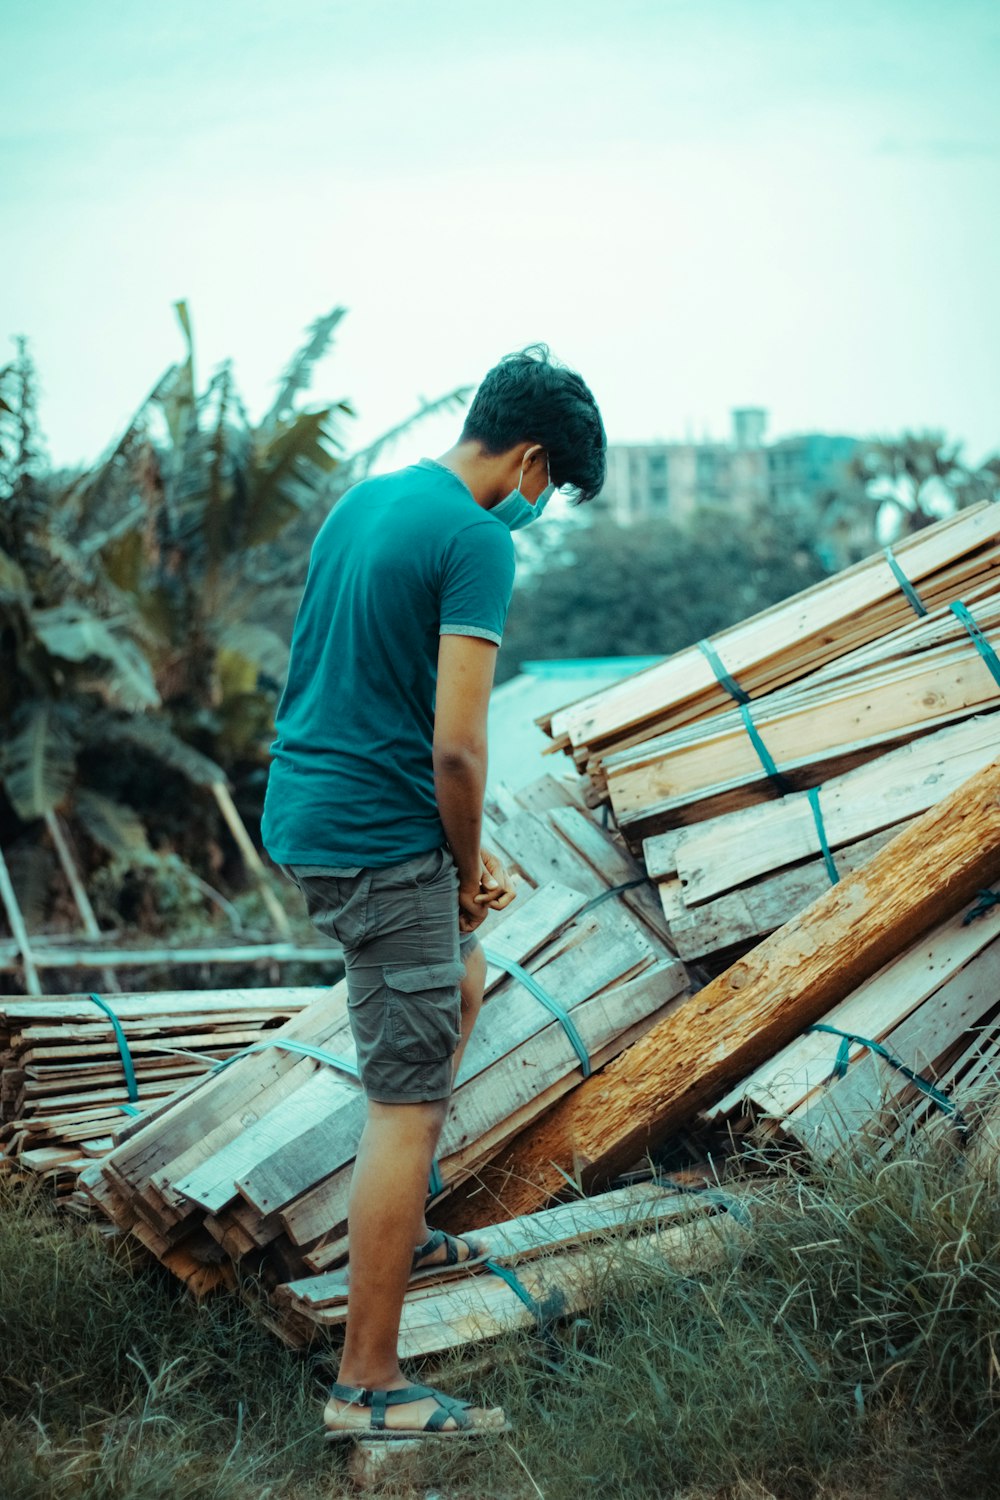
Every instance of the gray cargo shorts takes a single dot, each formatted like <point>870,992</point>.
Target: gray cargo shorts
<point>404,961</point>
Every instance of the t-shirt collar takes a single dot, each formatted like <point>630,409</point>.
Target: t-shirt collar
<point>432,463</point>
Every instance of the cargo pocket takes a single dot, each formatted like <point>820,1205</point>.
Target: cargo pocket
<point>423,1010</point>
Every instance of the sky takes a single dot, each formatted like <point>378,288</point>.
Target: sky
<point>699,204</point>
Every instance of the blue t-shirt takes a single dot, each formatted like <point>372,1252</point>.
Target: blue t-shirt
<point>400,560</point>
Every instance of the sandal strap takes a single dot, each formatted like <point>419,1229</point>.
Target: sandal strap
<point>437,1237</point>
<point>381,1400</point>
<point>456,1411</point>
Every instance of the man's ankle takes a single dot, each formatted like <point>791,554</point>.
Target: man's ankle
<point>372,1377</point>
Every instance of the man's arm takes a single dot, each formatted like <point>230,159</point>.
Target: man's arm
<point>465,677</point>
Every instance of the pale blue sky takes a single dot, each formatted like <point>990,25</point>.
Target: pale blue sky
<point>699,203</point>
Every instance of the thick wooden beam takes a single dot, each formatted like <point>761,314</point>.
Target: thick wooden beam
<point>925,875</point>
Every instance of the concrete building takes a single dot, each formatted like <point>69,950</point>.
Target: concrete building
<point>672,480</point>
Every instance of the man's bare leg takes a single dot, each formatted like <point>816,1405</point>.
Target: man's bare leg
<point>386,1222</point>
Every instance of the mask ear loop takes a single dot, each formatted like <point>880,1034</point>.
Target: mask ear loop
<point>548,472</point>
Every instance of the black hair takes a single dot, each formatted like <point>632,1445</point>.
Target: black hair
<point>528,397</point>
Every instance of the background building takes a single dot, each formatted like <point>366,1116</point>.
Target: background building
<point>673,480</point>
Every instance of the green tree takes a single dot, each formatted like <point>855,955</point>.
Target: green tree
<point>910,482</point>
<point>595,588</point>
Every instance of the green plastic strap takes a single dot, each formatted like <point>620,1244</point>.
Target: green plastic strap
<point>613,890</point>
<point>131,1086</point>
<point>913,598</point>
<point>303,1049</point>
<point>552,1005</point>
<point>817,812</point>
<point>978,639</point>
<point>724,678</point>
<point>763,753</point>
<point>923,1084</point>
<point>985,902</point>
<point>537,1309</point>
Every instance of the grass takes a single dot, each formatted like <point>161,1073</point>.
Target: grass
<point>850,1351</point>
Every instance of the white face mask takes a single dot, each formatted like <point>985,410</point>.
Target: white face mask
<point>515,511</point>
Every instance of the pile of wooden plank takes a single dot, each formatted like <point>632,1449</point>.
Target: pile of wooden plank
<point>915,1042</point>
<point>68,1078</point>
<point>920,677</point>
<point>730,880</point>
<point>927,875</point>
<point>957,559</point>
<point>252,1165</point>
<point>558,1258</point>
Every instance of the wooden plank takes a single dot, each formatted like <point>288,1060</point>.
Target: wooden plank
<point>824,607</point>
<point>783,1081</point>
<point>790,980</point>
<point>623,1211</point>
<point>754,910</point>
<point>727,852</point>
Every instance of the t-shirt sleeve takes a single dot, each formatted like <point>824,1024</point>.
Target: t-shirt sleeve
<point>477,581</point>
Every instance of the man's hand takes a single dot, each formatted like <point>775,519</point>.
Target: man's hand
<point>496,889</point>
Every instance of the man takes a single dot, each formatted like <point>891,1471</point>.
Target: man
<point>374,808</point>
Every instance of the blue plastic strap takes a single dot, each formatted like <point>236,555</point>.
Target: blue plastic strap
<point>978,639</point>
<point>923,1084</point>
<point>763,754</point>
<point>131,1086</point>
<point>516,1285</point>
<point>552,1005</point>
<point>724,678</point>
<point>287,1045</point>
<point>612,890</point>
<point>985,902</point>
<point>303,1049</point>
<point>913,598</point>
<point>817,812</point>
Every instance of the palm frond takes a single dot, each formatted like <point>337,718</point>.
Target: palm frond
<point>286,476</point>
<point>14,586</point>
<point>38,762</point>
<point>156,739</point>
<point>114,825</point>
<point>73,633</point>
<point>298,372</point>
<point>259,645</point>
<point>358,465</point>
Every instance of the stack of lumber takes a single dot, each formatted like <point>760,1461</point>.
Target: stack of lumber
<point>559,1256</point>
<point>954,560</point>
<point>732,879</point>
<point>935,1009</point>
<point>252,1165</point>
<point>923,675</point>
<point>63,1083</point>
<point>922,878</point>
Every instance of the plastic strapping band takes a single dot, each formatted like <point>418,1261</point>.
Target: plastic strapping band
<point>986,901</point>
<point>763,753</point>
<point>817,812</point>
<point>923,1084</point>
<point>612,890</point>
<point>724,678</point>
<point>303,1049</point>
<point>552,1005</point>
<point>978,639</point>
<point>517,1285</point>
<point>125,1055</point>
<point>913,598</point>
